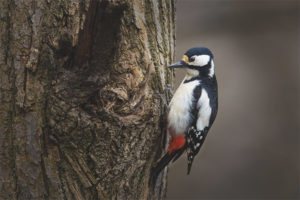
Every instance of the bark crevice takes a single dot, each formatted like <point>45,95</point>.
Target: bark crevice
<point>82,89</point>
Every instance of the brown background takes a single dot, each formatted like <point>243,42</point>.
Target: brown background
<point>252,151</point>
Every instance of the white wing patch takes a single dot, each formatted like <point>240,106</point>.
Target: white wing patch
<point>179,117</point>
<point>204,111</point>
<point>212,69</point>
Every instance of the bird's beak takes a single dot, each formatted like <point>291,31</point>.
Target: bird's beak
<point>182,63</point>
<point>179,64</point>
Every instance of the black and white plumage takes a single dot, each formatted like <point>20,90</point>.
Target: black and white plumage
<point>193,107</point>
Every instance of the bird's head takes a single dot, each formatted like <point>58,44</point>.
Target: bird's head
<point>197,61</point>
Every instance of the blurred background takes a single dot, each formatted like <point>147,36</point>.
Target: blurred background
<point>252,151</point>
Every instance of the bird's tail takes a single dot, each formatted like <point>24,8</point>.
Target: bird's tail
<point>163,162</point>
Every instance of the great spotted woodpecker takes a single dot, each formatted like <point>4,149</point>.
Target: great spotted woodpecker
<point>192,109</point>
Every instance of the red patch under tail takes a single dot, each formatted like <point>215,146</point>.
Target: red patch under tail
<point>177,143</point>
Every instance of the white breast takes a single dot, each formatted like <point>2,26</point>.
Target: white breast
<point>204,111</point>
<point>179,117</point>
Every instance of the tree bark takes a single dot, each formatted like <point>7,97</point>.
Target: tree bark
<point>82,108</point>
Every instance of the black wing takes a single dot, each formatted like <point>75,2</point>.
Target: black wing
<point>194,137</point>
<point>195,140</point>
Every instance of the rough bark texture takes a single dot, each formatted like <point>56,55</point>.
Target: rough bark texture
<point>82,97</point>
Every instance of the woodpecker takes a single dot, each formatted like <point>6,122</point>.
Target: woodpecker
<point>193,108</point>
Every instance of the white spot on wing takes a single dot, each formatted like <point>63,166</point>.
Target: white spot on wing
<point>204,111</point>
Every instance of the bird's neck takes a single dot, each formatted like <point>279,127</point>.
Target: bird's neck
<point>207,71</point>
<point>199,73</point>
<point>191,73</point>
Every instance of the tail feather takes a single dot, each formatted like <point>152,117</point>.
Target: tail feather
<point>155,171</point>
<point>164,161</point>
<point>180,152</point>
<point>189,167</point>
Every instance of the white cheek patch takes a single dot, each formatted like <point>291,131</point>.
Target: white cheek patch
<point>201,60</point>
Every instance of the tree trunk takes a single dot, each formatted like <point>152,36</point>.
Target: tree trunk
<point>82,97</point>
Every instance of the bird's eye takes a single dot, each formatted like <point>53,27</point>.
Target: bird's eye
<point>192,59</point>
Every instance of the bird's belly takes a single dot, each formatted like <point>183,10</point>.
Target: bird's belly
<point>179,117</point>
